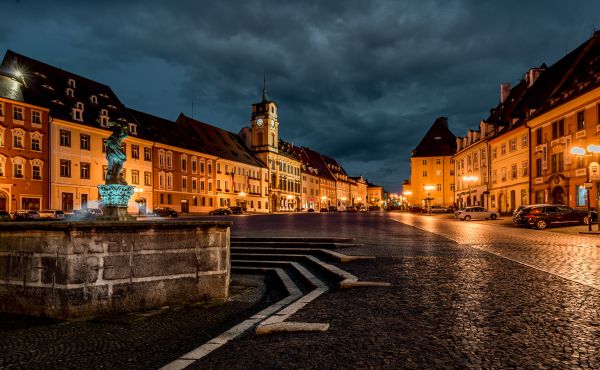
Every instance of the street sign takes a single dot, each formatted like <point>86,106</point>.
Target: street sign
<point>588,185</point>
<point>594,169</point>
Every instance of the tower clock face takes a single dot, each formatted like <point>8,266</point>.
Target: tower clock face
<point>272,123</point>
<point>259,122</point>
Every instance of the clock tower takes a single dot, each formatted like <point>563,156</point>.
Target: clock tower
<point>265,126</point>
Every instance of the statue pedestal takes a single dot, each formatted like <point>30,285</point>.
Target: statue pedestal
<point>115,198</point>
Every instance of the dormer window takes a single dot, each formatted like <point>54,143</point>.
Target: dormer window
<point>111,106</point>
<point>71,83</point>
<point>39,74</point>
<point>58,102</point>
<point>48,87</point>
<point>77,112</point>
<point>103,96</point>
<point>70,92</point>
<point>133,128</point>
<point>103,118</point>
<point>94,99</point>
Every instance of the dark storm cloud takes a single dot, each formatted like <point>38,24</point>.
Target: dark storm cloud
<point>359,80</point>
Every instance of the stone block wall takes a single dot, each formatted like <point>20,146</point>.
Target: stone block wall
<point>68,270</point>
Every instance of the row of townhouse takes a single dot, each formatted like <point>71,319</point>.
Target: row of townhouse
<point>53,128</point>
<point>523,152</point>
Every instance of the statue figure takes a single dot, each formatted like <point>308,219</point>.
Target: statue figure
<point>115,154</point>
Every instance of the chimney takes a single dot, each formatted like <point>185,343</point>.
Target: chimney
<point>458,144</point>
<point>504,91</point>
<point>532,76</point>
<point>482,127</point>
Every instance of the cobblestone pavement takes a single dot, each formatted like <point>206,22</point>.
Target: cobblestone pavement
<point>145,340</point>
<point>574,257</point>
<point>450,306</point>
<point>459,299</point>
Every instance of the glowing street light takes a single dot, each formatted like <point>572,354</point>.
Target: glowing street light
<point>428,189</point>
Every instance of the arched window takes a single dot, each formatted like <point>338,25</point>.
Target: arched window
<point>2,165</point>
<point>18,138</point>
<point>37,166</point>
<point>18,166</point>
<point>36,141</point>
<point>161,158</point>
<point>194,164</point>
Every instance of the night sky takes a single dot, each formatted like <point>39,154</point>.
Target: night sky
<point>361,81</point>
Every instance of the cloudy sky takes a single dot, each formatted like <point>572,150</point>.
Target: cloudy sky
<point>358,80</point>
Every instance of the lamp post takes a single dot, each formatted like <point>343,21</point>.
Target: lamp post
<point>469,180</point>
<point>243,200</point>
<point>581,152</point>
<point>428,189</point>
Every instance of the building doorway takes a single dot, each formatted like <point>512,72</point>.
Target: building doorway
<point>185,207</point>
<point>3,202</point>
<point>67,202</point>
<point>500,202</point>
<point>558,195</point>
<point>513,200</point>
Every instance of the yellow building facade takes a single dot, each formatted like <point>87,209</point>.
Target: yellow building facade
<point>509,169</point>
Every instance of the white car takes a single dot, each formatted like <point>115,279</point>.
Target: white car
<point>469,213</point>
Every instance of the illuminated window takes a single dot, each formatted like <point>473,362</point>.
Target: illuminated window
<point>524,141</point>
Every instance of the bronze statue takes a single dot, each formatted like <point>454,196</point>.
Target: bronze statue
<point>115,155</point>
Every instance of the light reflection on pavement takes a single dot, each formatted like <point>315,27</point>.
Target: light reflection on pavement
<point>574,257</point>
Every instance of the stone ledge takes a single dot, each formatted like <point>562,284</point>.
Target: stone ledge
<point>113,225</point>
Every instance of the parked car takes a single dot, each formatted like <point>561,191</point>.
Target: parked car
<point>310,210</point>
<point>438,209</point>
<point>332,209</point>
<point>470,213</point>
<point>324,210</point>
<point>235,210</point>
<point>165,212</point>
<point>25,215</point>
<point>4,216</point>
<point>52,214</point>
<point>351,209</point>
<point>220,211</point>
<point>363,209</point>
<point>542,216</point>
<point>417,209</point>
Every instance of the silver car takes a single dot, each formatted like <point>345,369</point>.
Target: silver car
<point>469,213</point>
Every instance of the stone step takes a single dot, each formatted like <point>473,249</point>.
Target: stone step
<point>339,257</point>
<point>292,239</point>
<point>294,244</point>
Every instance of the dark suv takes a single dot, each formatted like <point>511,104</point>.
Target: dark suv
<point>542,216</point>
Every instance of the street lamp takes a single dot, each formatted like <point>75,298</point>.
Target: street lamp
<point>243,201</point>
<point>428,189</point>
<point>469,180</point>
<point>581,152</point>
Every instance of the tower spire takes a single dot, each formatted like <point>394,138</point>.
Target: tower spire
<point>264,95</point>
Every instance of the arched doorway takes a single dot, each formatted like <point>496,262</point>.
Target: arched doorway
<point>274,207</point>
<point>558,195</point>
<point>3,202</point>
